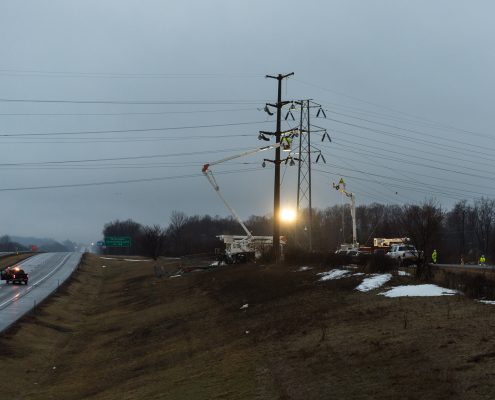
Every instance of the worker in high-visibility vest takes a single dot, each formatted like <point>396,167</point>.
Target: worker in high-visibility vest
<point>286,142</point>
<point>434,256</point>
<point>482,260</point>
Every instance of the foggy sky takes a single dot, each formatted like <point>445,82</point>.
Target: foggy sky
<point>424,68</point>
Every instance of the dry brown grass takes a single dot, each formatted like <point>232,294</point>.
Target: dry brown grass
<point>8,261</point>
<point>120,333</point>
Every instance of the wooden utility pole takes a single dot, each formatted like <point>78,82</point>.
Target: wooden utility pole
<point>276,192</point>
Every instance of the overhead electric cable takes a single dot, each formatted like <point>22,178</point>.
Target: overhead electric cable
<point>129,113</point>
<point>104,183</point>
<point>133,102</point>
<point>131,130</point>
<point>204,153</point>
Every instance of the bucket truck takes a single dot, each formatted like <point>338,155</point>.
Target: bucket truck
<point>242,248</point>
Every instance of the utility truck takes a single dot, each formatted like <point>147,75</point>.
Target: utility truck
<point>403,252</point>
<point>243,248</point>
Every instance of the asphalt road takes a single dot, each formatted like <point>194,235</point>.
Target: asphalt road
<point>46,272</point>
<point>486,267</point>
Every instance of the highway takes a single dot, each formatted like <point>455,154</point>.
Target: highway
<point>46,272</point>
<point>476,267</point>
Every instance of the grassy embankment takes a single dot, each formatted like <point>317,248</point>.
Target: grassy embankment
<point>12,259</point>
<point>120,333</point>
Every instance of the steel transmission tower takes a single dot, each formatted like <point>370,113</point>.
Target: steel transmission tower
<point>306,149</point>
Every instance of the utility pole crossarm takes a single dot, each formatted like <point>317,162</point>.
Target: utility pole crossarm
<point>280,76</point>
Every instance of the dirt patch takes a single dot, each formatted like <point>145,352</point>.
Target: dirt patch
<point>245,332</point>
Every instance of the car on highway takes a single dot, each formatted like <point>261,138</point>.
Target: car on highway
<point>14,275</point>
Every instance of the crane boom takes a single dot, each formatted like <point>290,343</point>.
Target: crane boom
<point>341,188</point>
<point>211,179</point>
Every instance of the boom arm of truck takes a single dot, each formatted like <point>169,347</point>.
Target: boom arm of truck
<point>341,188</point>
<point>211,179</point>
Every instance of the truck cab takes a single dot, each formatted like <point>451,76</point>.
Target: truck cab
<point>402,252</point>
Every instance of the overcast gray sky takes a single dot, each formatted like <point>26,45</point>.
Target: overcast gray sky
<point>407,85</point>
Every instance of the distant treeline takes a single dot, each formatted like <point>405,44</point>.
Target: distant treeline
<point>7,244</point>
<point>466,229</point>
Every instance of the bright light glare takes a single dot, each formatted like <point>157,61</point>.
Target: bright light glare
<point>288,215</point>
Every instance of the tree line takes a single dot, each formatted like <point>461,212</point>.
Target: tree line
<point>465,230</point>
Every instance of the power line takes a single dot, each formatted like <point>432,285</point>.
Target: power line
<point>129,113</point>
<point>413,130</point>
<point>133,102</point>
<point>394,149</point>
<point>407,155</point>
<point>447,195</point>
<point>407,137</point>
<point>427,185</point>
<point>420,164</point>
<point>123,140</point>
<point>372,155</point>
<point>204,152</point>
<point>126,181</point>
<point>418,118</point>
<point>131,130</point>
<point>85,74</point>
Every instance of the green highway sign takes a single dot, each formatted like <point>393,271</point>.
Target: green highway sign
<point>118,241</point>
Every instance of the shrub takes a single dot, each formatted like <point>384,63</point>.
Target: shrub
<point>473,285</point>
<point>374,263</point>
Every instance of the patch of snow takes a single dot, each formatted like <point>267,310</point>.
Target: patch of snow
<point>373,282</point>
<point>333,274</point>
<point>243,307</point>
<point>358,274</point>
<point>175,276</point>
<point>404,273</point>
<point>108,258</point>
<point>216,264</point>
<point>305,268</point>
<point>130,259</point>
<point>351,266</point>
<point>103,266</point>
<point>487,301</point>
<point>427,290</point>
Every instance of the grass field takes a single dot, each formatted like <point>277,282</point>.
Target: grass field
<point>118,332</point>
<point>12,259</point>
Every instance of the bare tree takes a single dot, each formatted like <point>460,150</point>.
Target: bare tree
<point>484,211</point>
<point>153,240</point>
<point>422,224</point>
<point>178,221</point>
